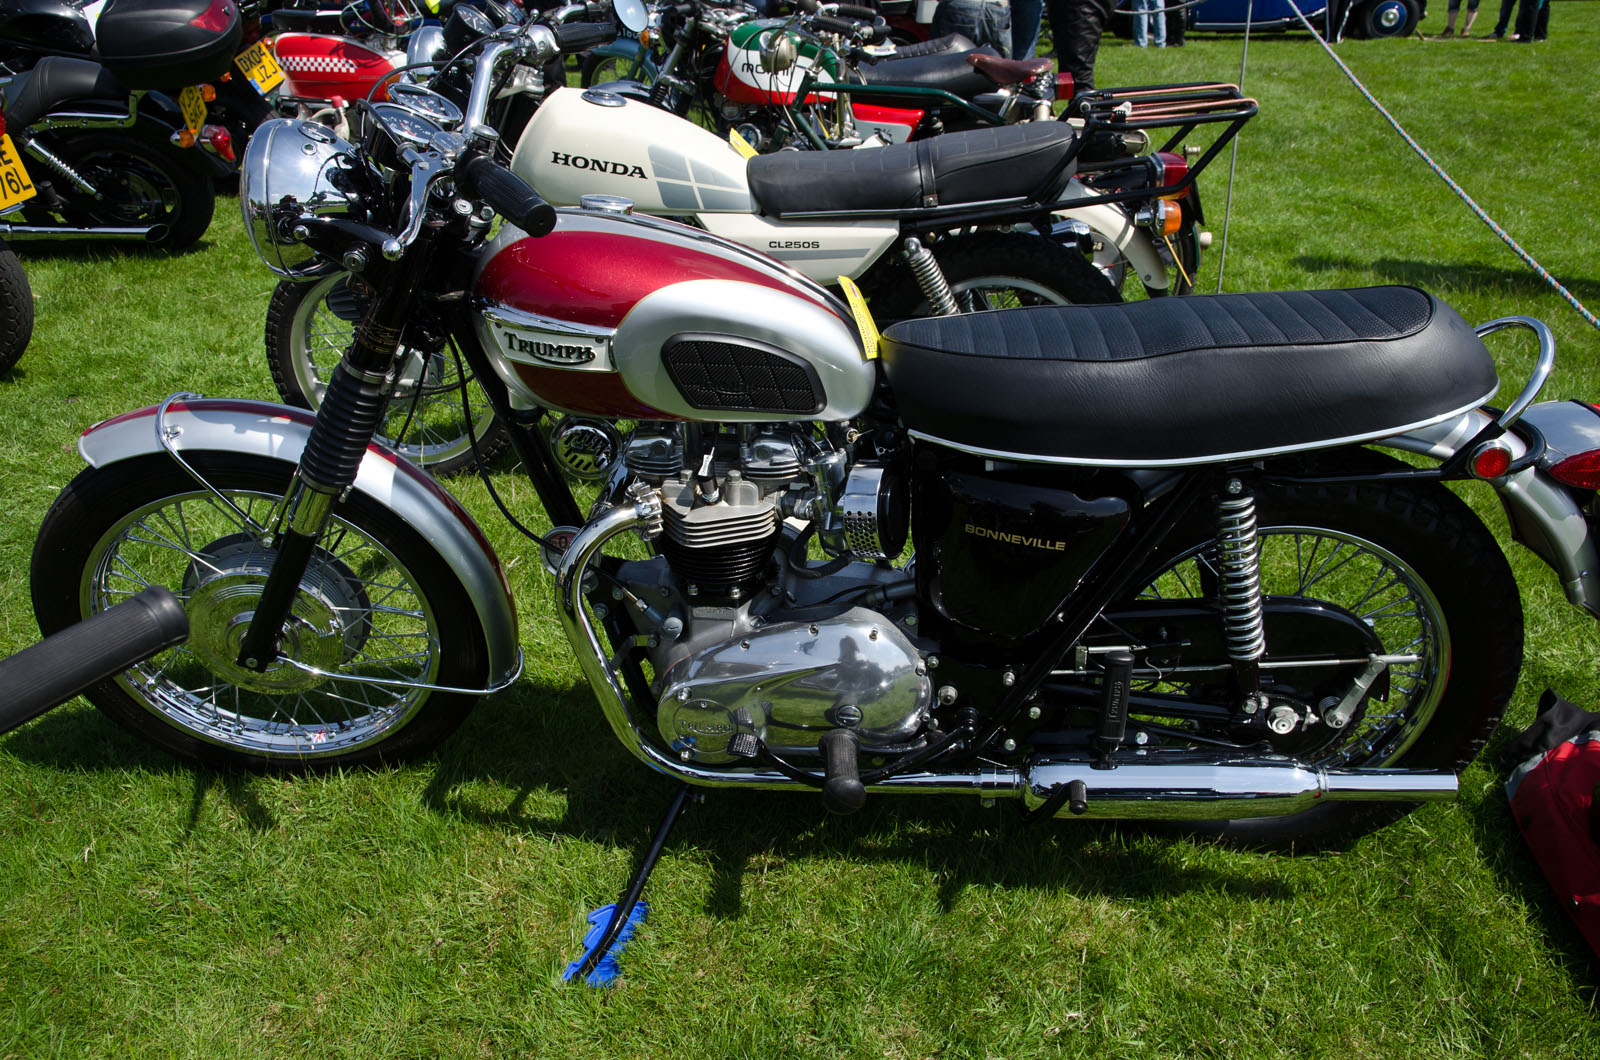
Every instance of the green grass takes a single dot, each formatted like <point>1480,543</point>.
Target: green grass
<point>147,909</point>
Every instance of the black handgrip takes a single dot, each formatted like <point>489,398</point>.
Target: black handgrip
<point>836,25</point>
<point>852,11</point>
<point>65,663</point>
<point>808,6</point>
<point>508,193</point>
<point>581,36</point>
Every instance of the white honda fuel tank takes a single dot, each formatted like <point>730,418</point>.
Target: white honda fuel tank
<point>595,142</point>
<point>640,318</point>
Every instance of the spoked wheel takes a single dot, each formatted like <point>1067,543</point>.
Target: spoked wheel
<point>140,186</point>
<point>1000,270</point>
<point>309,327</point>
<point>377,602</point>
<point>1404,572</point>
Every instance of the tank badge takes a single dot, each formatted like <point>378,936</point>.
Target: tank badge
<point>1016,539</point>
<point>597,165</point>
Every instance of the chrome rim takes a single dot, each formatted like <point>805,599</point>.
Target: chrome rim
<point>424,421</point>
<point>1376,586</point>
<point>360,612</point>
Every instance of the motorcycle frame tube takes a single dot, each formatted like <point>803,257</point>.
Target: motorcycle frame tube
<point>278,432</point>
<point>1544,515</point>
<point>1193,790</point>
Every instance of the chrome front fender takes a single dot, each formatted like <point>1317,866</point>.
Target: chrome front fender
<point>1544,515</point>
<point>258,428</point>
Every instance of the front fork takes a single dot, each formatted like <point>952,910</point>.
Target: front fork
<point>347,421</point>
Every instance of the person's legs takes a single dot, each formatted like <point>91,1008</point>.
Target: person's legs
<point>1025,17</point>
<point>1141,31</point>
<point>1472,16</point>
<point>1506,7</point>
<point>1450,17</point>
<point>1158,23</point>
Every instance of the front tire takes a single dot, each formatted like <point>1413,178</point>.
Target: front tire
<point>1418,568</point>
<point>309,327</point>
<point>16,309</point>
<point>376,601</point>
<point>999,270</point>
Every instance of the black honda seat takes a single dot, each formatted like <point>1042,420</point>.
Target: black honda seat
<point>1186,380</point>
<point>1006,162</point>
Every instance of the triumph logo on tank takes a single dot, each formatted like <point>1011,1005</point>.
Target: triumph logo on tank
<point>597,165</point>
<point>561,351</point>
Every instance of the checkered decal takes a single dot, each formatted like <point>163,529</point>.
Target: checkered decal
<point>318,64</point>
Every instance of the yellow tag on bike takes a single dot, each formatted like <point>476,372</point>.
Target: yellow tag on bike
<point>864,322</point>
<point>15,186</point>
<point>260,66</point>
<point>193,104</point>
<point>740,144</point>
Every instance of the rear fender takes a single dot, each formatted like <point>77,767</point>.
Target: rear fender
<point>1545,515</point>
<point>278,432</point>
<point>1109,222</point>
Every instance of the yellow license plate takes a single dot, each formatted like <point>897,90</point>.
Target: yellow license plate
<point>193,104</point>
<point>259,65</point>
<point>15,186</point>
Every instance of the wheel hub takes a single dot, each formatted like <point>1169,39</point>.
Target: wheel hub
<point>327,626</point>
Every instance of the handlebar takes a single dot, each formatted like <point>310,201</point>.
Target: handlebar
<point>65,663</point>
<point>508,193</point>
<point>581,36</point>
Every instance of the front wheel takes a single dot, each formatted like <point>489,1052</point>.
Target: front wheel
<point>999,270</point>
<point>377,601</point>
<point>433,412</point>
<point>1400,570</point>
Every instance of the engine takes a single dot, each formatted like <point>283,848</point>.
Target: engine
<point>751,643</point>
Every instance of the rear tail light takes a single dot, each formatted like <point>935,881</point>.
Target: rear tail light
<point>216,17</point>
<point>1065,85</point>
<point>1492,460</point>
<point>1171,169</point>
<point>2,123</point>
<point>219,140</point>
<point>1581,471</point>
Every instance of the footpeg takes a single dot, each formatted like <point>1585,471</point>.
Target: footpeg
<point>842,790</point>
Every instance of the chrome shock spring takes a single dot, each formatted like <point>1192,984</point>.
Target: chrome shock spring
<point>930,277</point>
<point>1239,577</point>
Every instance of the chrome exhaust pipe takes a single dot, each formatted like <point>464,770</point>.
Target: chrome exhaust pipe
<point>1196,789</point>
<point>1224,788</point>
<point>150,233</point>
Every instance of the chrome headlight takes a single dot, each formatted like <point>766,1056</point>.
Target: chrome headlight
<point>293,169</point>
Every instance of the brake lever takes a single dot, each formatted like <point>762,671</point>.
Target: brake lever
<point>426,168</point>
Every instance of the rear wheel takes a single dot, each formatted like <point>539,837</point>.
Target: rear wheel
<point>1386,18</point>
<point>1409,571</point>
<point>377,601</point>
<point>432,408</point>
<point>141,185</point>
<point>999,270</point>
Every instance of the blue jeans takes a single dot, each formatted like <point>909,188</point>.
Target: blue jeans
<point>1025,18</point>
<point>983,21</point>
<point>1150,23</point>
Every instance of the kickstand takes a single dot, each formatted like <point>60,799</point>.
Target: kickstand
<point>624,908</point>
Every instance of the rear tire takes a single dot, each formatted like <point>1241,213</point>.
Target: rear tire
<point>999,270</point>
<point>1415,563</point>
<point>142,184</point>
<point>378,600</point>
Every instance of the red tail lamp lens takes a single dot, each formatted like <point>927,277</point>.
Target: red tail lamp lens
<point>221,141</point>
<point>1582,470</point>
<point>1065,85</point>
<point>215,17</point>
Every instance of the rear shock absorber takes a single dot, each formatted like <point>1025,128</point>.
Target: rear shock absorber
<point>930,277</point>
<point>1239,586</point>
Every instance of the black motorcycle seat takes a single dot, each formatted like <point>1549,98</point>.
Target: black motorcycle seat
<point>54,80</point>
<point>1032,160</point>
<point>949,70</point>
<point>950,42</point>
<point>1175,381</point>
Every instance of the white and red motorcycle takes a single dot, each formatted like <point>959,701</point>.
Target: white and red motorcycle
<point>973,220</point>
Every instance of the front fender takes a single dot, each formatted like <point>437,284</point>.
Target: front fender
<point>629,49</point>
<point>1544,514</point>
<point>278,432</point>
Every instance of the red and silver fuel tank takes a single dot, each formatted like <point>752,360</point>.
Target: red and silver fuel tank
<point>640,318</point>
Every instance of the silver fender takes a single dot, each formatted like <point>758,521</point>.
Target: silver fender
<point>1134,243</point>
<point>1544,516</point>
<point>278,432</point>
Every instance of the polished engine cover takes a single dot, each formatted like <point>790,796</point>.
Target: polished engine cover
<point>638,318</point>
<point>789,683</point>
